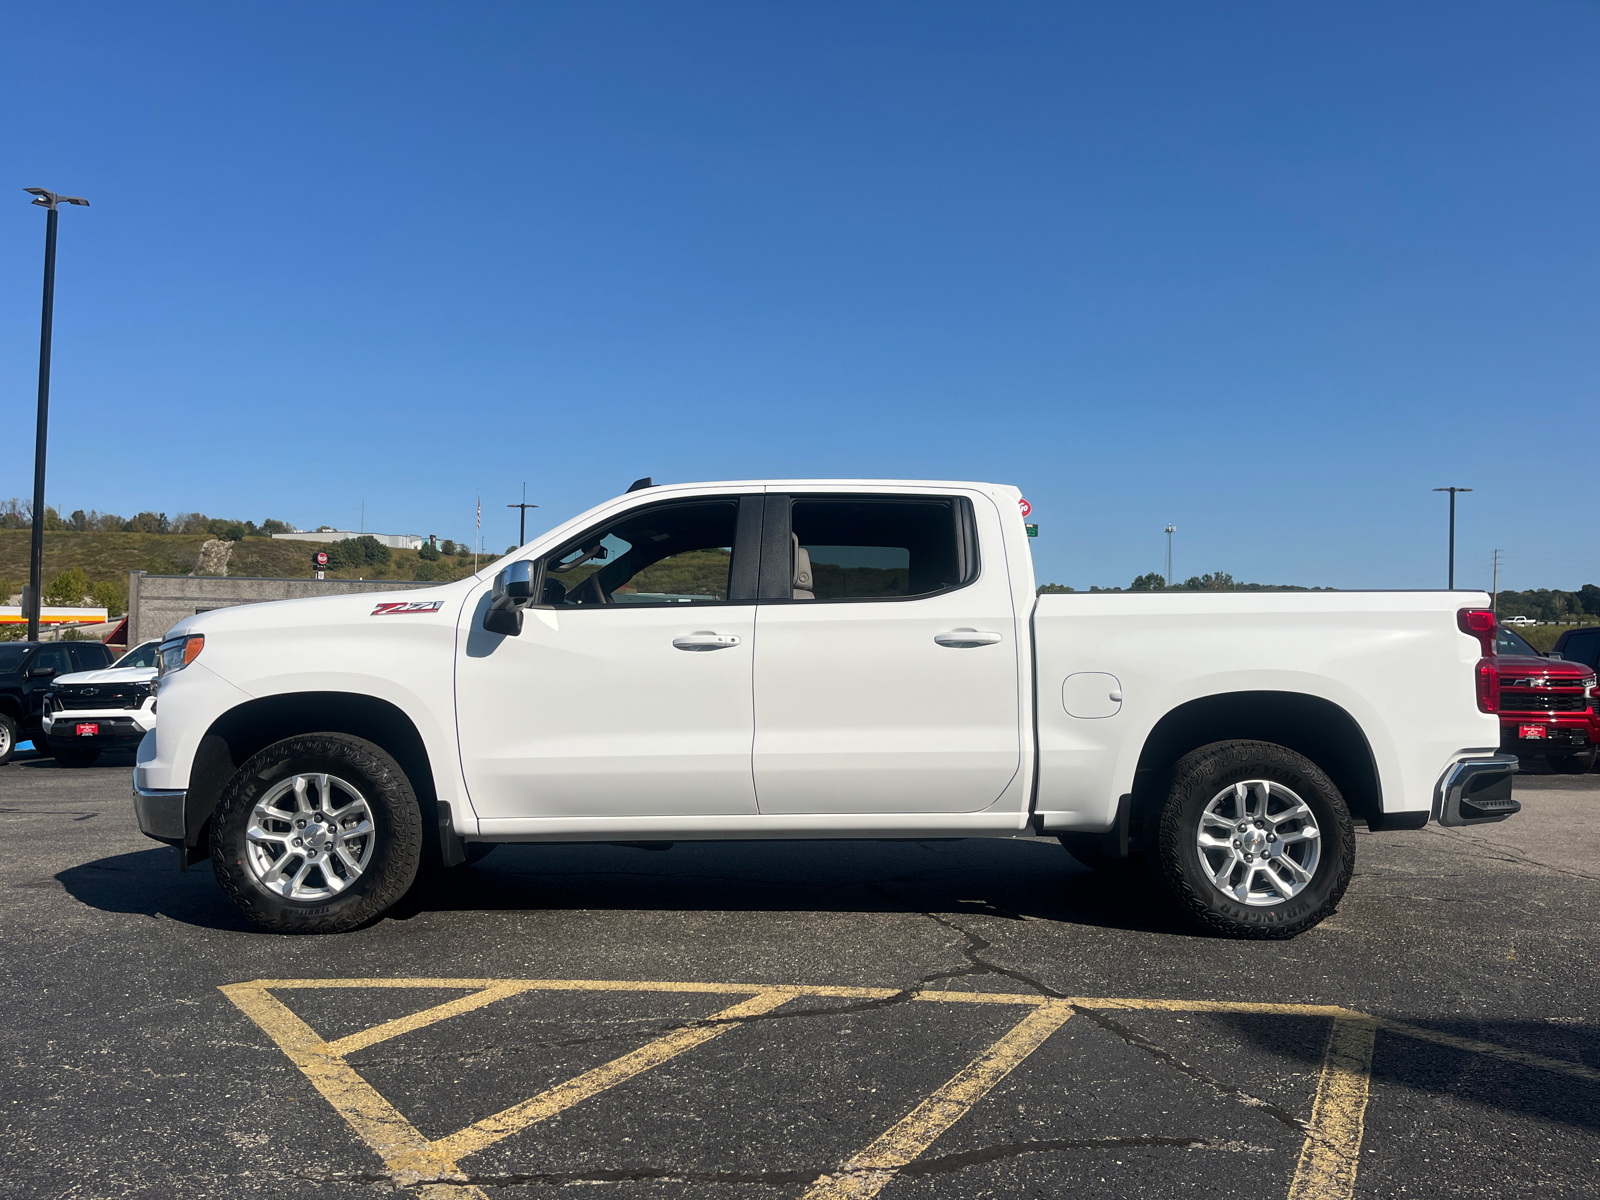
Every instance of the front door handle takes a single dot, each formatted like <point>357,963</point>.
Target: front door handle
<point>704,639</point>
<point>966,637</point>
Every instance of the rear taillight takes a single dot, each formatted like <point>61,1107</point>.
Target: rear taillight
<point>1488,686</point>
<point>1479,623</point>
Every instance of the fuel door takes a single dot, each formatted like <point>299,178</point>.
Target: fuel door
<point>1091,695</point>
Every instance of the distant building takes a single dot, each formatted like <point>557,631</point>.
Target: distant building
<point>395,541</point>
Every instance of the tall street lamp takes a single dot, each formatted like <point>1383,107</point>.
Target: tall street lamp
<point>522,518</point>
<point>1171,529</point>
<point>1452,491</point>
<point>47,201</point>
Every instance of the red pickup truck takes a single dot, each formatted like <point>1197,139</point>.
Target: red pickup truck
<point>1547,706</point>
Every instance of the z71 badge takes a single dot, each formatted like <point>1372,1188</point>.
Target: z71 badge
<point>396,608</point>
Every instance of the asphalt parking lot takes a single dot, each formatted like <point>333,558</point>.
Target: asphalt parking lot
<point>819,1020</point>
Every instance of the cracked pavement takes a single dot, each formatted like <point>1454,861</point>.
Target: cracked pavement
<point>131,1075</point>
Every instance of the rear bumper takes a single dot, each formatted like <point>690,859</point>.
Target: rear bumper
<point>1476,791</point>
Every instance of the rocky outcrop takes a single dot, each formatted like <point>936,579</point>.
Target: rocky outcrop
<point>214,555</point>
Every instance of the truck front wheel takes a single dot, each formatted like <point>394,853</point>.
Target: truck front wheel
<point>317,834</point>
<point>1572,764</point>
<point>1254,840</point>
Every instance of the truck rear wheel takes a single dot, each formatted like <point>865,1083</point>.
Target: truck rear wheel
<point>318,833</point>
<point>1254,840</point>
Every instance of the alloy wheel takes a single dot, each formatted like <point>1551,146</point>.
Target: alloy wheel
<point>310,837</point>
<point>1259,842</point>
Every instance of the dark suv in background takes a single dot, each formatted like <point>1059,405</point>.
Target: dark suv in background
<point>26,670</point>
<point>1579,646</point>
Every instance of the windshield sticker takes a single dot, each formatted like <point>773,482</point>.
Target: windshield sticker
<point>395,608</point>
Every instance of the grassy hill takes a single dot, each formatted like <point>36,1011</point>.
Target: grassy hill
<point>111,556</point>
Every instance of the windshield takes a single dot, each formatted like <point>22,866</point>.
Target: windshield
<point>1506,642</point>
<point>139,656</point>
<point>11,657</point>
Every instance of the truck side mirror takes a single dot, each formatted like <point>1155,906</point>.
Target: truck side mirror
<point>513,591</point>
<point>41,672</point>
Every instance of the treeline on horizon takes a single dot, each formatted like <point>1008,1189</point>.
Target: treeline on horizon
<point>18,514</point>
<point>1551,604</point>
<point>1217,581</point>
<point>1542,604</point>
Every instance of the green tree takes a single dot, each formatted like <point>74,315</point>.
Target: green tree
<point>355,553</point>
<point>1148,583</point>
<point>111,596</point>
<point>148,522</point>
<point>67,588</point>
<point>428,552</point>
<point>1219,581</point>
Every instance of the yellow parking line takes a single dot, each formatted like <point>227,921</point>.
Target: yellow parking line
<point>1419,1033</point>
<point>1331,1154</point>
<point>487,1132</point>
<point>419,1020</point>
<point>1218,1006</point>
<point>395,1140</point>
<point>1326,1170</point>
<point>865,1174</point>
<point>411,1158</point>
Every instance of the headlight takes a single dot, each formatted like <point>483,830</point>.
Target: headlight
<point>179,652</point>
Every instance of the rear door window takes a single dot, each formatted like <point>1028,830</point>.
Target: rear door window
<point>868,549</point>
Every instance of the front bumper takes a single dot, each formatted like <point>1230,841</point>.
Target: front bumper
<point>1564,734</point>
<point>117,727</point>
<point>160,814</point>
<point>1476,791</point>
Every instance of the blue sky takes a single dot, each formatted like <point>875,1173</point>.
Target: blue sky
<point>1269,272</point>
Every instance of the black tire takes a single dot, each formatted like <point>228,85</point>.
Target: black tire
<point>77,756</point>
<point>8,738</point>
<point>1089,849</point>
<point>397,833</point>
<point>1201,777</point>
<point>1572,764</point>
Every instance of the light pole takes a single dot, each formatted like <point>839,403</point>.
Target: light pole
<point>1171,529</point>
<point>47,201</point>
<point>1452,491</point>
<point>522,517</point>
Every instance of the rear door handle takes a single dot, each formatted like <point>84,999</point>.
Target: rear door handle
<point>966,637</point>
<point>704,639</point>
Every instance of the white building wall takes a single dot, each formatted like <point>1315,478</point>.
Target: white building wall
<point>395,541</point>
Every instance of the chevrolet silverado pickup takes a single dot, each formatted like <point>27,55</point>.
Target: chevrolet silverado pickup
<point>811,660</point>
<point>1548,705</point>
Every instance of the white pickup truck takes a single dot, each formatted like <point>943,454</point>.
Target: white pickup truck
<point>816,659</point>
